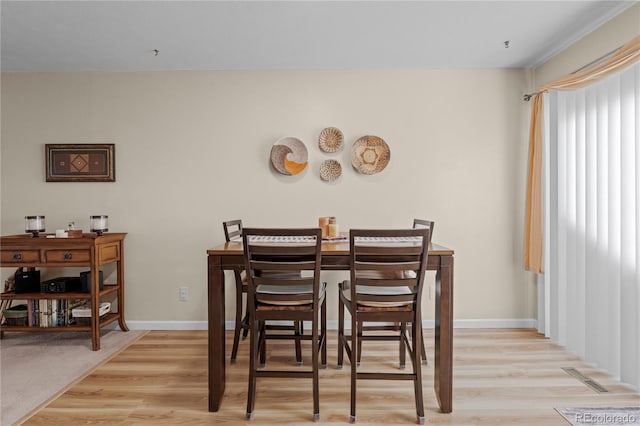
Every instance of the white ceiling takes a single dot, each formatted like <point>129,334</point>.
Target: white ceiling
<point>303,34</point>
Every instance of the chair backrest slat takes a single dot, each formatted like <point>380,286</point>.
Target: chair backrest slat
<point>393,248</point>
<point>280,249</point>
<point>304,265</point>
<point>372,282</point>
<point>394,266</point>
<point>286,280</point>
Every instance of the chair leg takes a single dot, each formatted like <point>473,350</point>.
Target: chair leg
<point>417,370</point>
<point>340,333</point>
<point>355,352</point>
<point>323,333</point>
<point>253,358</point>
<point>403,350</point>
<point>360,332</point>
<point>315,361</point>
<point>297,328</point>
<point>245,324</point>
<point>424,352</point>
<point>239,323</point>
<point>262,344</point>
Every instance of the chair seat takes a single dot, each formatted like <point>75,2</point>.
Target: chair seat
<point>378,291</point>
<point>284,290</point>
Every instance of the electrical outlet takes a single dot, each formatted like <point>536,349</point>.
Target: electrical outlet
<point>184,294</point>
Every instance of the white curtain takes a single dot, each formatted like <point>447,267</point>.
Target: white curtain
<point>591,293</point>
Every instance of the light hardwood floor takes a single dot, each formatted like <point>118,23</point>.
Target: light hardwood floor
<point>501,377</point>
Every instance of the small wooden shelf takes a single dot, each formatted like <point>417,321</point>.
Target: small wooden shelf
<point>23,251</point>
<point>104,320</point>
<point>10,295</point>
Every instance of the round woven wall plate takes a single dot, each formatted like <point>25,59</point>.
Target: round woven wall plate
<point>330,170</point>
<point>370,155</point>
<point>289,156</point>
<point>330,140</point>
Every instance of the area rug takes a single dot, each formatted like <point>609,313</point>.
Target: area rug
<point>619,416</point>
<point>35,367</point>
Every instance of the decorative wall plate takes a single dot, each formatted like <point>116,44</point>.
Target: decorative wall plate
<point>289,156</point>
<point>330,139</point>
<point>370,155</point>
<point>330,170</point>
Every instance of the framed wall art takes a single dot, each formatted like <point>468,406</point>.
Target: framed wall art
<point>80,162</point>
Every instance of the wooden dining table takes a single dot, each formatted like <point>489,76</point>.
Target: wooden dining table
<point>335,256</point>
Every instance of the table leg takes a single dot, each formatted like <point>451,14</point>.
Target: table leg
<point>216,332</point>
<point>95,301</point>
<point>120,296</point>
<point>443,365</point>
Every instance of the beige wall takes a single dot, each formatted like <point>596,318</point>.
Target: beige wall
<point>192,150</point>
<point>605,39</point>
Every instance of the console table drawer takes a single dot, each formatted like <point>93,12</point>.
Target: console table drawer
<point>71,256</point>
<point>108,253</point>
<point>20,256</point>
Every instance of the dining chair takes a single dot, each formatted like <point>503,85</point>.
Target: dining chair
<point>429,224</point>
<point>233,232</point>
<point>283,276</point>
<point>417,224</point>
<point>387,270</point>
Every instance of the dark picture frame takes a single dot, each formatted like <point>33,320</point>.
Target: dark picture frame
<point>91,162</point>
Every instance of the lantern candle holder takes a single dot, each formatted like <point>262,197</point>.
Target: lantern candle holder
<point>99,224</point>
<point>34,225</point>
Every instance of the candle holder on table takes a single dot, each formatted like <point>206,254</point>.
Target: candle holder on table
<point>34,225</point>
<point>99,224</point>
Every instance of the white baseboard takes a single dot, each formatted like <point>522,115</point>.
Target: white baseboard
<point>170,325</point>
<point>333,324</point>
<point>492,323</point>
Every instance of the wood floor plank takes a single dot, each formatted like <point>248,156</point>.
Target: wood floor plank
<point>501,377</point>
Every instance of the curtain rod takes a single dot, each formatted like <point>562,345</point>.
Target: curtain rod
<point>527,96</point>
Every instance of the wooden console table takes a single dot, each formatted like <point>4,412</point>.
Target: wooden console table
<point>88,251</point>
<point>335,256</point>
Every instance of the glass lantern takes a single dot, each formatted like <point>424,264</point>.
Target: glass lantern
<point>34,225</point>
<point>99,224</point>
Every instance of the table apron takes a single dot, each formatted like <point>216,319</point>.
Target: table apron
<point>329,262</point>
